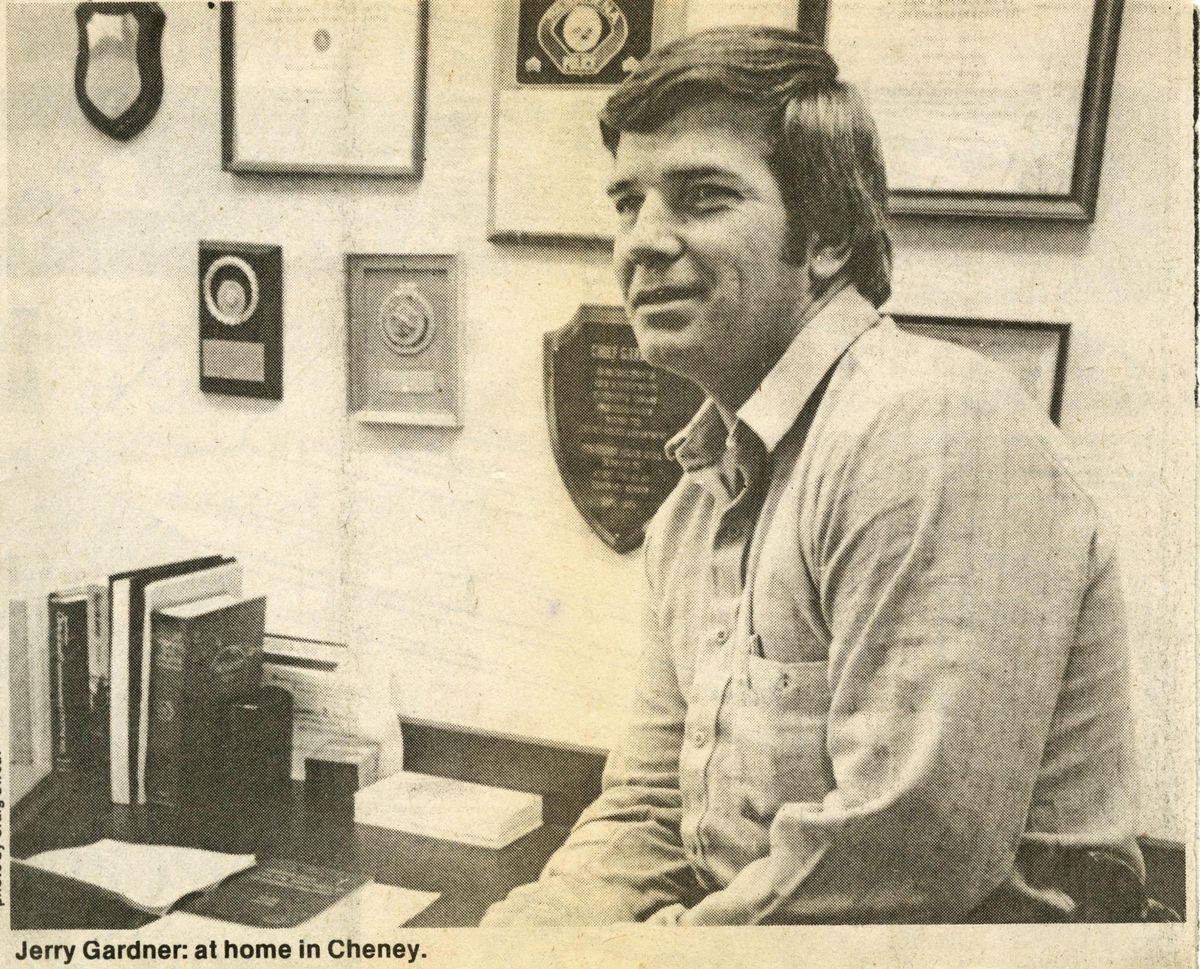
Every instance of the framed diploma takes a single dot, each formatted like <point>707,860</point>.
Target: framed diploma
<point>1034,353</point>
<point>984,109</point>
<point>402,324</point>
<point>314,87</point>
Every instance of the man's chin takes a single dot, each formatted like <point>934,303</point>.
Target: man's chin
<point>665,354</point>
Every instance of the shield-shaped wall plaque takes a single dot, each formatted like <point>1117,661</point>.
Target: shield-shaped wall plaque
<point>610,413</point>
<point>118,70</point>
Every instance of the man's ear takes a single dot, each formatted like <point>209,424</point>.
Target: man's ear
<point>826,259</point>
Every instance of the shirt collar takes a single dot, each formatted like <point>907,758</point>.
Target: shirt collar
<point>774,407</point>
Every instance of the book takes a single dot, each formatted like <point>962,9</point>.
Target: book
<point>41,736</point>
<point>206,654</point>
<point>224,579</point>
<point>341,920</point>
<point>126,592</point>
<point>69,692</point>
<point>439,807</point>
<point>150,878</point>
<point>276,894</point>
<point>20,724</point>
<point>97,726</point>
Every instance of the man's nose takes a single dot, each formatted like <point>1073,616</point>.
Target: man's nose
<point>654,237</point>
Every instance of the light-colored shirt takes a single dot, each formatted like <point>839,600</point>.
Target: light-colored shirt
<point>885,673</point>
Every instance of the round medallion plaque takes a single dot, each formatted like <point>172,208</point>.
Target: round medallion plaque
<point>231,290</point>
<point>406,320</point>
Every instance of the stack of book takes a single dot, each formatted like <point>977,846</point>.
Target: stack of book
<point>142,670</point>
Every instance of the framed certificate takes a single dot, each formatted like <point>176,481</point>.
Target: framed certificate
<point>984,109</point>
<point>1034,353</point>
<point>316,87</point>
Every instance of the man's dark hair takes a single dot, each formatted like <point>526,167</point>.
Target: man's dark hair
<point>822,145</point>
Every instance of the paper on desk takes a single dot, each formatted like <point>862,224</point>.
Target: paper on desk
<point>149,877</point>
<point>372,905</point>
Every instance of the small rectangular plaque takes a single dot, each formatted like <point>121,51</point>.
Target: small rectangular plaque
<point>409,381</point>
<point>402,326</point>
<point>241,319</point>
<point>232,360</point>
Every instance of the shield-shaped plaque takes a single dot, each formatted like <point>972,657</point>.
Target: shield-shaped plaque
<point>610,414</point>
<point>118,70</point>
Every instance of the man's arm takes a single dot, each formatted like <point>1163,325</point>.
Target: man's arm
<point>624,859</point>
<point>951,551</point>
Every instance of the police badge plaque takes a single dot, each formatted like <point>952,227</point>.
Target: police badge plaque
<point>581,41</point>
<point>610,414</point>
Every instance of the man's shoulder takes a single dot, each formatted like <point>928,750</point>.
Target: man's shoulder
<point>913,395</point>
<point>889,365</point>
<point>893,375</point>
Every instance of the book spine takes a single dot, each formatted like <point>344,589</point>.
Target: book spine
<point>98,661</point>
<point>69,704</point>
<point>20,708</point>
<point>118,705</point>
<point>164,752</point>
<point>40,706</point>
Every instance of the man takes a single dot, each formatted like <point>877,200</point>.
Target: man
<point>885,672</point>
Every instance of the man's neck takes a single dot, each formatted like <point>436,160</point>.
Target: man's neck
<point>729,400</point>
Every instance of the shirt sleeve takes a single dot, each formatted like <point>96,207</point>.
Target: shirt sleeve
<point>951,549</point>
<point>624,860</point>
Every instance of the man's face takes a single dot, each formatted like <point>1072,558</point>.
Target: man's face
<point>699,250</point>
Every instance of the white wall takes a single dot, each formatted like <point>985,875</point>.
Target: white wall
<point>455,560</point>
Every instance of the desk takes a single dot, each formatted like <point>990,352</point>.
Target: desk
<point>68,810</point>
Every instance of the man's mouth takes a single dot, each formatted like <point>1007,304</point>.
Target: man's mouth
<point>652,296</point>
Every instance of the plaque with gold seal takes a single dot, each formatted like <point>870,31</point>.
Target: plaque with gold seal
<point>402,329</point>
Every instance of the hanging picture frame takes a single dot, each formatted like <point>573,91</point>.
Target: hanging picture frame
<point>970,128</point>
<point>1033,352</point>
<point>323,88</point>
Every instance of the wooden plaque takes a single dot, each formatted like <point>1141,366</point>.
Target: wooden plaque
<point>610,413</point>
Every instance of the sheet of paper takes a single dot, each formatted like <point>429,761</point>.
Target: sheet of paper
<point>702,14</point>
<point>151,877</point>
<point>368,906</point>
<point>956,110</point>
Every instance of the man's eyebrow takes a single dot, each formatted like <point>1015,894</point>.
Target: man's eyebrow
<point>619,187</point>
<point>695,173</point>
<point>686,173</point>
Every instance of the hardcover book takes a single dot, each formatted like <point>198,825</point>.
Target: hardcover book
<point>225,579</point>
<point>69,692</point>
<point>205,654</point>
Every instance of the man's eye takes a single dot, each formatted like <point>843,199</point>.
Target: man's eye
<point>627,204</point>
<point>707,198</point>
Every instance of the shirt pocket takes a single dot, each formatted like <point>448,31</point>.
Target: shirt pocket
<point>778,734</point>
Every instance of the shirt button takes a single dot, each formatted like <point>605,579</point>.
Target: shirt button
<point>721,635</point>
<point>700,736</point>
